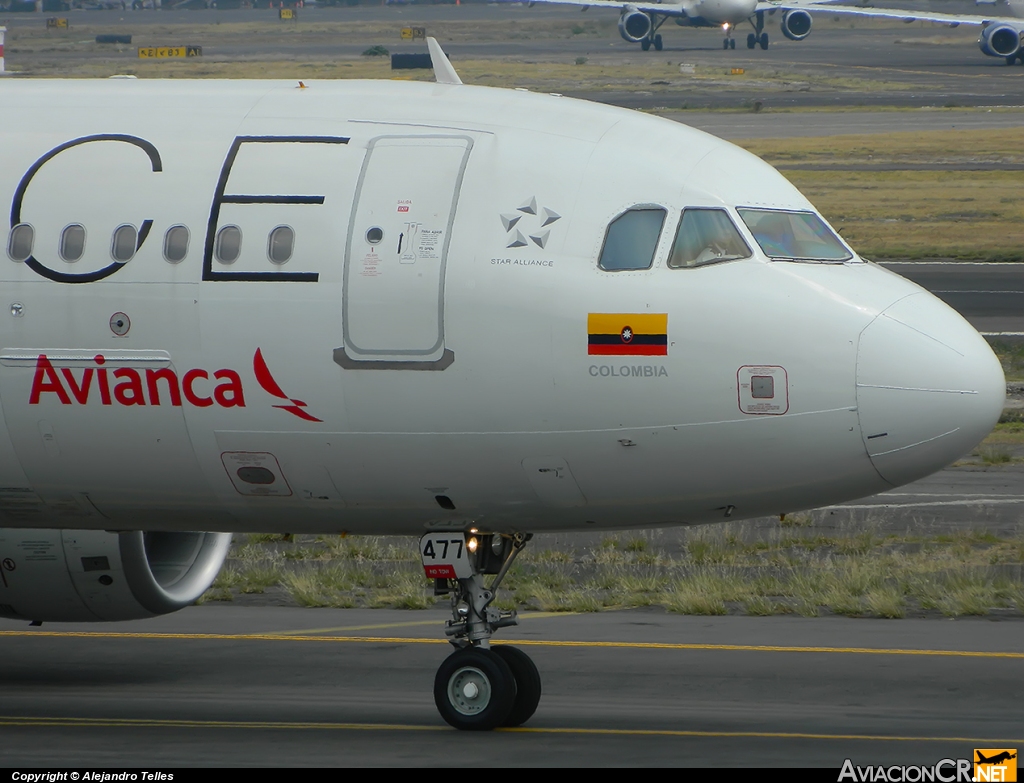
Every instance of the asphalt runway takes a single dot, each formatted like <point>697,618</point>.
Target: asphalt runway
<point>230,686</point>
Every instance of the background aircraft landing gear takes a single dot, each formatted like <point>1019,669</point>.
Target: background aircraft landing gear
<point>656,40</point>
<point>479,687</point>
<point>759,37</point>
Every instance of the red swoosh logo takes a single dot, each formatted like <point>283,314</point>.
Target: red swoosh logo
<point>270,386</point>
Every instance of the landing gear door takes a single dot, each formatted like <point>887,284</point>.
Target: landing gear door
<point>393,300</point>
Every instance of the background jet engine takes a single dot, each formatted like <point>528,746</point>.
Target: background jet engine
<point>634,25</point>
<point>1000,40</point>
<point>796,25</point>
<point>92,575</point>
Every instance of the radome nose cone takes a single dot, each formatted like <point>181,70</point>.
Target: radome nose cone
<point>929,388</point>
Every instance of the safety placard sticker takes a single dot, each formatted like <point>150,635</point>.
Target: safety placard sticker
<point>763,389</point>
<point>428,248</point>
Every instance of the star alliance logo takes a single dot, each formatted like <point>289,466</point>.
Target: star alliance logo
<point>519,226</point>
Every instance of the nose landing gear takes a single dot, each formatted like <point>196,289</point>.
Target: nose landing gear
<point>729,42</point>
<point>479,687</point>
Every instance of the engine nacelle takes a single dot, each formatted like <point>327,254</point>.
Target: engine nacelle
<point>1000,40</point>
<point>634,25</point>
<point>796,25</point>
<point>93,575</point>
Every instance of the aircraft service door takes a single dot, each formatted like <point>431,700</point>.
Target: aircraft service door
<point>393,299</point>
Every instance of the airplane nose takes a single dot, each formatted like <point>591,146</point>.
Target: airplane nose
<point>929,388</point>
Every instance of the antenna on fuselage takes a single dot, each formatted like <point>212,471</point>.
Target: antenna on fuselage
<point>444,72</point>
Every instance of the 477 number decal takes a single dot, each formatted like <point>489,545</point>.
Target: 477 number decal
<point>444,556</point>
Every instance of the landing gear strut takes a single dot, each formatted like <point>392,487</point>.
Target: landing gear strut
<point>479,687</point>
<point>653,36</point>
<point>759,36</point>
<point>729,42</point>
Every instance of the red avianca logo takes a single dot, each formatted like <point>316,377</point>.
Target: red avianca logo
<point>128,386</point>
<point>266,380</point>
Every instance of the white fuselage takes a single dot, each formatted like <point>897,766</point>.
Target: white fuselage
<point>714,13</point>
<point>350,386</point>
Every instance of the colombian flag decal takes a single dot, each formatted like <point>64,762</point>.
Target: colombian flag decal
<point>627,334</point>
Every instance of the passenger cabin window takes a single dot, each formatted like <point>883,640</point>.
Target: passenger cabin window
<point>280,244</point>
<point>706,236</point>
<point>632,239</point>
<point>124,243</point>
<point>176,244</point>
<point>72,242</point>
<point>19,243</point>
<point>229,244</point>
<point>794,236</point>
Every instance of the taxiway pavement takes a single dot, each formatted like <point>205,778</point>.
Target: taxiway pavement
<point>232,686</point>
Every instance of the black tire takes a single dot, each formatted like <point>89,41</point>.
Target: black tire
<point>658,42</point>
<point>764,41</point>
<point>646,44</point>
<point>1011,59</point>
<point>751,40</point>
<point>527,684</point>
<point>732,43</point>
<point>485,671</point>
<point>725,44</point>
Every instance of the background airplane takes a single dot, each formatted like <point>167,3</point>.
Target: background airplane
<point>1002,33</point>
<point>640,22</point>
<point>1001,36</point>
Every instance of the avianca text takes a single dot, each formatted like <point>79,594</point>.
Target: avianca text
<point>128,386</point>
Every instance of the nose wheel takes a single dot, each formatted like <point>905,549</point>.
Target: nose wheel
<point>527,679</point>
<point>479,690</point>
<point>474,689</point>
<point>479,687</point>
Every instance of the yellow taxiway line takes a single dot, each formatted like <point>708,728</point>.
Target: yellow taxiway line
<point>378,626</point>
<point>12,720</point>
<point>522,642</point>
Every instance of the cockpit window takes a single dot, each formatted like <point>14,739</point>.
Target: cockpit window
<point>706,236</point>
<point>794,236</point>
<point>632,239</point>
